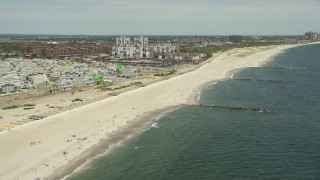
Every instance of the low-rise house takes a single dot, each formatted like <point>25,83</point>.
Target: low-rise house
<point>112,70</point>
<point>97,64</point>
<point>165,56</point>
<point>129,72</point>
<point>37,79</point>
<point>69,74</point>
<point>5,68</point>
<point>103,72</point>
<point>84,80</point>
<point>47,87</point>
<point>8,88</point>
<point>64,84</point>
<point>53,71</point>
<point>9,84</point>
<point>80,67</point>
<point>188,57</point>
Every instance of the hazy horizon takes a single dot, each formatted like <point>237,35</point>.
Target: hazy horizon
<point>159,17</point>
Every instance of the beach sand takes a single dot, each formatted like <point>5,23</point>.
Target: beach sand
<point>56,145</point>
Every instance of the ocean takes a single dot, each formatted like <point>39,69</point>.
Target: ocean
<point>204,143</point>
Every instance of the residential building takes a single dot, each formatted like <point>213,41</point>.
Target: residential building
<point>129,72</point>
<point>9,84</point>
<point>181,57</point>
<point>166,48</point>
<point>188,57</point>
<point>5,68</point>
<point>71,48</point>
<point>312,36</point>
<point>47,87</point>
<point>37,79</point>
<point>83,80</point>
<point>64,84</point>
<point>123,41</point>
<point>235,39</point>
<point>139,48</point>
<point>191,40</point>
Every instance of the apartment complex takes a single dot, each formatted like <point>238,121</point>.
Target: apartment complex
<point>166,48</point>
<point>311,36</point>
<point>71,48</point>
<point>235,39</point>
<point>138,48</point>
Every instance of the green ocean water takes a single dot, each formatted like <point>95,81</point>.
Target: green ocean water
<point>200,143</point>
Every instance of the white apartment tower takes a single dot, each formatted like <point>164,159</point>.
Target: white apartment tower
<point>137,49</point>
<point>123,41</point>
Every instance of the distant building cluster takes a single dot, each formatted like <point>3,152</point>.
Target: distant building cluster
<point>71,48</point>
<point>181,57</point>
<point>235,39</point>
<point>139,48</point>
<point>311,36</point>
<point>53,75</point>
<point>191,40</point>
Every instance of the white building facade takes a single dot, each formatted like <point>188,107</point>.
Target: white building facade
<point>139,48</point>
<point>167,48</point>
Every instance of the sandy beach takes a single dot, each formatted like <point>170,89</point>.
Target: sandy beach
<point>51,147</point>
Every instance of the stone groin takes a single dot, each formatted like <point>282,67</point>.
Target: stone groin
<point>229,107</point>
<point>262,80</point>
<point>283,68</point>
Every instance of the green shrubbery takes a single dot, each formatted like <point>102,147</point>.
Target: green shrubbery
<point>107,88</point>
<point>18,106</point>
<point>77,99</point>
<point>210,50</point>
<point>165,73</point>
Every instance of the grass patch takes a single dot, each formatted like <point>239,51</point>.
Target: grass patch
<point>246,54</point>
<point>72,93</point>
<point>77,99</point>
<point>28,108</point>
<point>104,88</point>
<point>1,117</point>
<point>210,50</point>
<point>165,73</point>
<point>136,83</point>
<point>107,88</point>
<point>18,106</point>
<point>28,105</point>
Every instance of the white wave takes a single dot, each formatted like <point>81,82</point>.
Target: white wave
<point>231,76</point>
<point>155,125</point>
<point>199,95</point>
<point>88,162</point>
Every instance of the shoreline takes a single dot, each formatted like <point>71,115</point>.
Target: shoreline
<point>136,112</point>
<point>105,146</point>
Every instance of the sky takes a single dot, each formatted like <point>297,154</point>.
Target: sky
<point>159,17</point>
